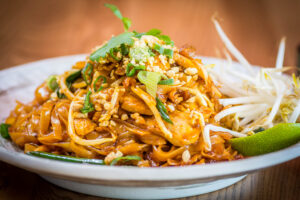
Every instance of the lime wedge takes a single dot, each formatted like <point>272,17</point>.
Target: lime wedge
<point>273,139</point>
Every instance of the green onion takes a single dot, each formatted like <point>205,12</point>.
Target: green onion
<point>116,11</point>
<point>111,53</point>
<point>52,83</point>
<point>150,80</point>
<point>72,78</point>
<point>65,158</point>
<point>126,158</point>
<point>151,53</point>
<point>4,130</point>
<point>124,50</point>
<point>103,81</point>
<point>158,48</point>
<point>168,52</point>
<point>166,39</point>
<point>87,70</point>
<point>163,51</point>
<point>60,95</point>
<point>87,106</point>
<point>163,110</point>
<point>154,32</point>
<point>166,82</point>
<point>131,69</point>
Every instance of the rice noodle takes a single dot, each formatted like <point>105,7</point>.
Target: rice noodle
<point>79,140</point>
<point>64,88</point>
<point>152,105</point>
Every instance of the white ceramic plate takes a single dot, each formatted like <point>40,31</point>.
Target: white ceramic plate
<point>118,182</point>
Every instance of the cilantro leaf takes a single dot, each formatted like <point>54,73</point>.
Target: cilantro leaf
<point>116,11</point>
<point>87,106</point>
<point>154,32</point>
<point>114,42</point>
<point>157,33</point>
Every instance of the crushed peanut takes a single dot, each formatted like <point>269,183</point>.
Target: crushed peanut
<point>188,78</point>
<point>124,117</point>
<point>104,123</point>
<point>171,107</point>
<point>191,71</point>
<point>107,106</point>
<point>138,119</point>
<point>112,123</point>
<point>186,156</point>
<point>195,77</point>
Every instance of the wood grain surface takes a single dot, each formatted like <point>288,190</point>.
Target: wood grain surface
<point>37,29</point>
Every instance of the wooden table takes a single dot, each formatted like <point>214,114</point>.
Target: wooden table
<point>36,29</point>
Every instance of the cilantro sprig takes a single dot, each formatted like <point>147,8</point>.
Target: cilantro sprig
<point>114,42</point>
<point>116,11</point>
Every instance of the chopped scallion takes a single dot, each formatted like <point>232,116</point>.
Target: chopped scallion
<point>166,82</point>
<point>4,130</point>
<point>131,69</point>
<point>163,110</point>
<point>87,71</point>
<point>112,54</point>
<point>125,158</point>
<point>103,81</point>
<point>124,50</point>
<point>72,78</point>
<point>52,83</point>
<point>87,105</point>
<point>163,51</point>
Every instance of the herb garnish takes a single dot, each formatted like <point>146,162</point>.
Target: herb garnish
<point>116,11</point>
<point>166,82</point>
<point>163,51</point>
<point>87,106</point>
<point>131,69</point>
<point>87,73</point>
<point>163,110</point>
<point>157,33</point>
<point>103,81</point>
<point>125,158</point>
<point>4,130</point>
<point>52,83</point>
<point>114,42</point>
<point>72,78</point>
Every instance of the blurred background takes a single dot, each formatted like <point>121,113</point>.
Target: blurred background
<point>37,29</point>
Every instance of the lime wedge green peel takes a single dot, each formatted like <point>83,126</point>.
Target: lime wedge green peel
<point>273,139</point>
